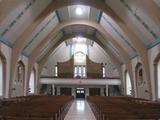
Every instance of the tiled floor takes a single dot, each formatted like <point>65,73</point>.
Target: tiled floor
<point>80,110</point>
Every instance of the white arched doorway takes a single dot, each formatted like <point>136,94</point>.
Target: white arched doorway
<point>128,84</point>
<point>32,81</point>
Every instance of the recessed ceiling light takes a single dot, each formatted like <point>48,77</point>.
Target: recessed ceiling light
<point>79,11</point>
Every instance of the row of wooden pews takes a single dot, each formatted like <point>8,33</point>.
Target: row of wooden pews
<point>35,108</point>
<point>123,108</point>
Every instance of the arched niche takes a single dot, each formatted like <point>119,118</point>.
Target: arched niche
<point>20,78</point>
<point>19,82</point>
<point>139,72</point>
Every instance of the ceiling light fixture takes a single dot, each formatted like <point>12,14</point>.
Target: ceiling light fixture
<point>79,11</point>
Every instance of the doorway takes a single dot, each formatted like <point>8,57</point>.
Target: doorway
<point>80,93</point>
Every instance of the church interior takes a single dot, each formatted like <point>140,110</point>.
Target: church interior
<point>79,59</point>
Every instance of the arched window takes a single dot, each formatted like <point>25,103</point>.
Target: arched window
<point>128,84</point>
<point>79,64</point>
<point>80,58</point>
<point>32,82</point>
<point>79,45</point>
<point>56,71</point>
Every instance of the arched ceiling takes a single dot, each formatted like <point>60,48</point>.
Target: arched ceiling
<point>17,15</point>
<point>56,47</point>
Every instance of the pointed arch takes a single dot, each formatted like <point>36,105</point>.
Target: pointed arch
<point>69,36</point>
<point>32,81</point>
<point>128,84</point>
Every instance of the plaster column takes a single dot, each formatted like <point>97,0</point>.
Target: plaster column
<point>102,91</point>
<point>53,89</point>
<point>106,90</point>
<point>73,92</point>
<point>86,92</point>
<point>58,91</point>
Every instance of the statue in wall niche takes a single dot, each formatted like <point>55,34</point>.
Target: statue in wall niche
<point>140,81</point>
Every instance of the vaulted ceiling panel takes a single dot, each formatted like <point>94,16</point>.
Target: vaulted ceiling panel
<point>78,29</point>
<point>157,2</point>
<point>139,22</point>
<point>68,30</point>
<point>63,14</point>
<point>144,18</point>
<point>94,14</point>
<point>90,31</point>
<point>117,35</point>
<point>6,7</point>
<point>40,33</point>
<point>55,38</point>
<point>20,18</point>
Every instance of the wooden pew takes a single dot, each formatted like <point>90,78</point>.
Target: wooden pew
<point>123,108</point>
<point>36,108</point>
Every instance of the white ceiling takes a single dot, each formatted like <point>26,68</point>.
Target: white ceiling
<point>20,14</point>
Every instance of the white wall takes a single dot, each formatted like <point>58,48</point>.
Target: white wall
<point>25,20</point>
<point>98,55</point>
<point>60,54</point>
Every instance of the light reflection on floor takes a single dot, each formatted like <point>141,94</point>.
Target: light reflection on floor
<point>80,105</point>
<point>80,110</point>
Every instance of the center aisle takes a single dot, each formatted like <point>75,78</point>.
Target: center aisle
<point>80,110</point>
